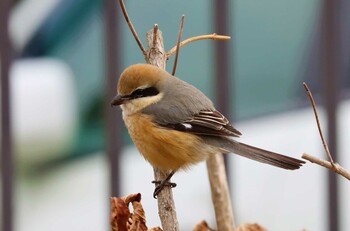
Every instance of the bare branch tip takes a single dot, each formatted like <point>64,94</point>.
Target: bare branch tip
<point>307,90</point>
<point>182,22</point>
<point>178,44</point>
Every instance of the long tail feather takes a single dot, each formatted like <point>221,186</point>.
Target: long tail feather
<point>267,157</point>
<point>257,154</point>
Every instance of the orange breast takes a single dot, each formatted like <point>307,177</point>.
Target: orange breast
<point>165,149</point>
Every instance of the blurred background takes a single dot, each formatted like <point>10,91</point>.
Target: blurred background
<point>71,152</point>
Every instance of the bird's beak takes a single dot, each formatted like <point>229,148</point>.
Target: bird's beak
<point>119,100</point>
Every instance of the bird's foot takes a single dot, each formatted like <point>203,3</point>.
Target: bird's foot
<point>160,184</point>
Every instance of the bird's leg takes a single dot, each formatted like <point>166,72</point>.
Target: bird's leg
<point>161,184</point>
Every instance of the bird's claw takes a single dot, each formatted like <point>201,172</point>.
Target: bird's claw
<point>160,185</point>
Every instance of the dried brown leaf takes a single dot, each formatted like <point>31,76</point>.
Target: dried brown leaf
<point>119,214</point>
<point>137,221</point>
<point>155,229</point>
<point>132,197</point>
<point>250,227</point>
<point>121,217</point>
<point>202,226</point>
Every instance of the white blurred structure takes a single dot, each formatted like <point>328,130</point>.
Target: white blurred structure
<point>44,114</point>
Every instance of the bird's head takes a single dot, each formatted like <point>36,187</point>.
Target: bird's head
<point>139,86</point>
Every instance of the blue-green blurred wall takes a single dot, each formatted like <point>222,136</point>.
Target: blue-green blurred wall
<point>272,41</point>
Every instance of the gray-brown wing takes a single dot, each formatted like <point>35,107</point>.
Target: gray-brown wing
<point>211,123</point>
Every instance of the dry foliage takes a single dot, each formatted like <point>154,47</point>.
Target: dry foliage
<point>124,220</point>
<point>121,217</point>
<point>251,227</point>
<point>203,226</point>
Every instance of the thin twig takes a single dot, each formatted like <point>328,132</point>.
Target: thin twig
<point>178,44</point>
<point>332,166</point>
<point>318,123</point>
<point>133,31</point>
<point>196,38</point>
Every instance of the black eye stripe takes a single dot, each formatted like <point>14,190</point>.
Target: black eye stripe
<point>150,91</point>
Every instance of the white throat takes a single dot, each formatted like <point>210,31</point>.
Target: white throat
<point>135,105</point>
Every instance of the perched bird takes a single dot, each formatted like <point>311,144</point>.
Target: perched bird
<point>174,125</point>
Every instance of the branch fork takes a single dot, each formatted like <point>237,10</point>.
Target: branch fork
<point>327,164</point>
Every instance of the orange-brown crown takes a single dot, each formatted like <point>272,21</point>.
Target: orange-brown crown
<point>139,76</point>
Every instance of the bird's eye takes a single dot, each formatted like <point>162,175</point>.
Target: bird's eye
<point>150,91</point>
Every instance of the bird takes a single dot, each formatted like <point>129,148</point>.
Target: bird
<point>175,126</point>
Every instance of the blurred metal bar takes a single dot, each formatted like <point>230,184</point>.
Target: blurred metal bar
<point>6,56</point>
<point>331,47</point>
<point>112,115</point>
<point>222,60</point>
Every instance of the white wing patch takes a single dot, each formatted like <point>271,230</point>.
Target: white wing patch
<point>187,126</point>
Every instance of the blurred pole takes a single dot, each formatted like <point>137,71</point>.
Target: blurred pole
<point>331,47</point>
<point>222,73</point>
<point>6,141</point>
<point>112,115</point>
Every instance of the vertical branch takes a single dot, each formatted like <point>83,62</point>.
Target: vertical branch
<point>166,205</point>
<point>216,164</point>
<point>113,117</point>
<point>220,193</point>
<point>6,134</point>
<point>331,46</point>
